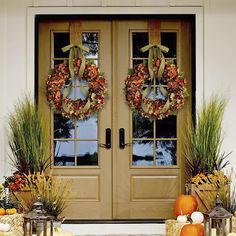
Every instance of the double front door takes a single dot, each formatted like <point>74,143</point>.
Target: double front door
<point>137,180</point>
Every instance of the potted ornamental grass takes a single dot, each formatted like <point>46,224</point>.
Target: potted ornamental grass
<point>29,146</point>
<point>27,138</point>
<point>204,159</point>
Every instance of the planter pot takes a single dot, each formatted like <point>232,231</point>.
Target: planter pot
<point>206,195</point>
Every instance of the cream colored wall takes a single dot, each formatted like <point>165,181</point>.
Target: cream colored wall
<point>219,53</point>
<point>220,63</point>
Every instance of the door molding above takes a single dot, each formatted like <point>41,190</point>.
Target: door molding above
<point>32,12</point>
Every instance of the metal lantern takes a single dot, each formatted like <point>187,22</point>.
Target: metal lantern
<point>36,222</point>
<point>218,221</point>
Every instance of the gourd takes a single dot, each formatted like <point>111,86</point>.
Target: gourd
<point>185,205</point>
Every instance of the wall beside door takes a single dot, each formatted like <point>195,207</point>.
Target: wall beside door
<point>219,55</point>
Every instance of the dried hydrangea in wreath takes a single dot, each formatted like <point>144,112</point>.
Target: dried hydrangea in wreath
<point>59,84</point>
<point>171,84</point>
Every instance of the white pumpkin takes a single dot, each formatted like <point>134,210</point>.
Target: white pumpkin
<point>5,227</point>
<point>197,217</point>
<point>182,219</point>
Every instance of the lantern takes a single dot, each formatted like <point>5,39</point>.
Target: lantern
<point>218,221</point>
<point>37,221</point>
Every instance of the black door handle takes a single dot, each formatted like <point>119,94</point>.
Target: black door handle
<point>122,138</point>
<point>107,144</point>
<point>108,138</point>
<point>122,143</point>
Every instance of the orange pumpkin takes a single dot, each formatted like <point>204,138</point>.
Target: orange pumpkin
<point>192,229</point>
<point>185,205</point>
<point>2,211</point>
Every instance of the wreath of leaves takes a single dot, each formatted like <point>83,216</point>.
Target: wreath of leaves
<point>140,80</point>
<point>60,82</point>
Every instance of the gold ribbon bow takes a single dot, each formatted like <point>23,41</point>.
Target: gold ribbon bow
<point>155,50</point>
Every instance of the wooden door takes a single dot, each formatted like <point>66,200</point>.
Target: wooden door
<point>141,180</point>
<point>148,172</point>
<point>76,146</point>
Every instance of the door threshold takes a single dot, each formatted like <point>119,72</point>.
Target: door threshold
<point>123,221</point>
<point>121,229</point>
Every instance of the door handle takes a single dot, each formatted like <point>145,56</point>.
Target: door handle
<point>122,138</point>
<point>122,143</point>
<point>107,143</point>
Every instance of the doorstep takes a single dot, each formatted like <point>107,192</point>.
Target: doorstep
<point>144,229</point>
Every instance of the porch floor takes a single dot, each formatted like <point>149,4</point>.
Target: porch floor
<point>143,229</point>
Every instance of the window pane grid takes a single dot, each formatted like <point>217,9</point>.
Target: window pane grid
<point>164,147</point>
<point>75,142</point>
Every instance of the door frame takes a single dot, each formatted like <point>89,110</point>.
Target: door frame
<point>32,13</point>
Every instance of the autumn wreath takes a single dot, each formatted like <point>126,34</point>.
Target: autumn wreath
<point>140,82</point>
<point>60,83</point>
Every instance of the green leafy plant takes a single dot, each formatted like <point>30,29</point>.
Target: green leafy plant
<point>204,139</point>
<point>8,202</point>
<point>27,138</point>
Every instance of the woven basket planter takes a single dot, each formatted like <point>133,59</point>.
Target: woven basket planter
<point>24,198</point>
<point>206,195</point>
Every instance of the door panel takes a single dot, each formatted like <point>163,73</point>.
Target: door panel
<point>141,180</point>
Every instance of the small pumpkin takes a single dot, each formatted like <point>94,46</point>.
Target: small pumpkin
<point>192,229</point>
<point>11,211</point>
<point>2,211</point>
<point>185,205</point>
<point>197,217</point>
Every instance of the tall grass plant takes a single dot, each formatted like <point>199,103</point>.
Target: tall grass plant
<point>27,138</point>
<point>204,139</point>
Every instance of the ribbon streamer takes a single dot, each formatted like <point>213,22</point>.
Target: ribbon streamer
<point>76,52</point>
<point>155,51</point>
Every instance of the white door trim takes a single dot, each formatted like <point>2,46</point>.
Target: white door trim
<point>32,12</point>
